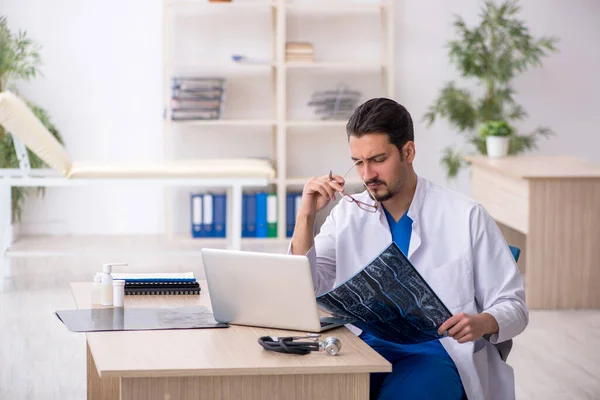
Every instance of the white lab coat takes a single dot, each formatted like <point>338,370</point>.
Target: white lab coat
<point>458,249</point>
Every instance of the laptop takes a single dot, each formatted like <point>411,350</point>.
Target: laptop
<point>263,290</point>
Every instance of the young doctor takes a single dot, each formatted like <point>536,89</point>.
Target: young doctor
<point>451,240</point>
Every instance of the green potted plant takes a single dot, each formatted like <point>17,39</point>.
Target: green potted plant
<point>497,135</point>
<point>492,53</point>
<point>19,60</point>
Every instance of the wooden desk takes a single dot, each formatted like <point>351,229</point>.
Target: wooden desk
<point>226,363</point>
<point>550,208</point>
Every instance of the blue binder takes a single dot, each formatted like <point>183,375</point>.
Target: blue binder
<point>207,215</point>
<point>251,215</point>
<point>220,215</point>
<point>196,214</point>
<point>261,215</point>
<point>290,213</point>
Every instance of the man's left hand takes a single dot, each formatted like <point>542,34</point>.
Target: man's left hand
<point>467,327</point>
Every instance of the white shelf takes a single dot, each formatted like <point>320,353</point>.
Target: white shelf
<point>336,66</point>
<point>125,245</point>
<point>317,123</point>
<point>225,122</point>
<point>222,67</point>
<point>278,74</point>
<point>205,5</point>
<point>335,7</point>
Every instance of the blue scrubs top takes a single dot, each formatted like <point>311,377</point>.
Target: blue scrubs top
<point>423,370</point>
<point>401,232</point>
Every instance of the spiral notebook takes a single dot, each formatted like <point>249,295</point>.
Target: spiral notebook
<point>159,284</point>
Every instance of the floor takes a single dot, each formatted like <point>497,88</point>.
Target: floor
<point>557,357</point>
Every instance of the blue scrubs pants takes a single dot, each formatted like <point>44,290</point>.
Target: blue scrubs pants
<point>423,371</point>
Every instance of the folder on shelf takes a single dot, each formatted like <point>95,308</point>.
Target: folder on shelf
<point>290,213</point>
<point>196,216</point>
<point>207,215</point>
<point>262,230</point>
<point>251,215</point>
<point>272,215</point>
<point>220,215</point>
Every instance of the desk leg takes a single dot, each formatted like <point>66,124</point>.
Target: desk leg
<point>234,220</point>
<point>281,387</point>
<point>6,233</point>
<point>100,388</point>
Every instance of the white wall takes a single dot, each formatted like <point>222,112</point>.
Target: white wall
<point>103,86</point>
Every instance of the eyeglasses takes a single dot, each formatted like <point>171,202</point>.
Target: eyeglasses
<point>362,205</point>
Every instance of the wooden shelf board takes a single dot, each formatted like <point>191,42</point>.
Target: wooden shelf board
<point>226,122</point>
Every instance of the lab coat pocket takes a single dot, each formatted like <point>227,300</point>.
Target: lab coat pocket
<point>453,283</point>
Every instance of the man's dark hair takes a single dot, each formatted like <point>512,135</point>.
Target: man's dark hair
<point>381,115</point>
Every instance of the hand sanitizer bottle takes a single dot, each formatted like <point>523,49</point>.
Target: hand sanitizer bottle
<point>106,296</point>
<point>97,289</point>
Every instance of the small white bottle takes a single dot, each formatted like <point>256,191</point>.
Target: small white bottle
<point>97,289</point>
<point>106,288</point>
<point>106,297</point>
<point>118,292</point>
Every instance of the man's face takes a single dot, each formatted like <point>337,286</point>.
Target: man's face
<point>380,164</point>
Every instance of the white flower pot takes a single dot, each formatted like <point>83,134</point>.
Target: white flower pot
<point>497,146</point>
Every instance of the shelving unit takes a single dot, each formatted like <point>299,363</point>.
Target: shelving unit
<point>287,126</point>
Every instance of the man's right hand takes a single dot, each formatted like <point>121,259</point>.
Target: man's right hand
<point>318,192</point>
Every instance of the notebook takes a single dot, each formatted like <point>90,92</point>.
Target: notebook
<point>159,283</point>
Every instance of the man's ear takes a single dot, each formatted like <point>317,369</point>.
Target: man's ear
<point>408,151</point>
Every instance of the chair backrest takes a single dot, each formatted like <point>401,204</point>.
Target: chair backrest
<point>18,119</point>
<point>516,252</point>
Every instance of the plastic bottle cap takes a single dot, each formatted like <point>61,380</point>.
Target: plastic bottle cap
<point>118,282</point>
<point>107,268</point>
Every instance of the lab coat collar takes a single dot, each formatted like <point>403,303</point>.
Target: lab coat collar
<point>413,213</point>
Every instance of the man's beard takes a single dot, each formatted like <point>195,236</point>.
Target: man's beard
<point>380,197</point>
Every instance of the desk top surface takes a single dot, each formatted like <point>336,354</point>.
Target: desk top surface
<point>210,352</point>
<point>538,167</point>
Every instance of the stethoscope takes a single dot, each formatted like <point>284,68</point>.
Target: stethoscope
<point>287,344</point>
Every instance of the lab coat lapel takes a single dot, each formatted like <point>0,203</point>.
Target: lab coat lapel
<point>415,240</point>
<point>413,213</point>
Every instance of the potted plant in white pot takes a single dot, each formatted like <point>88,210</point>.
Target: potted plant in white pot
<point>492,54</point>
<point>497,136</point>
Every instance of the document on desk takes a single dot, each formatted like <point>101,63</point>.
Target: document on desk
<point>389,299</point>
<point>138,319</point>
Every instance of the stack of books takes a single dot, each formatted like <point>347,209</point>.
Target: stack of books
<point>299,52</point>
<point>197,98</point>
<point>158,284</point>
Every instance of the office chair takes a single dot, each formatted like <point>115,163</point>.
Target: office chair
<point>505,347</point>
